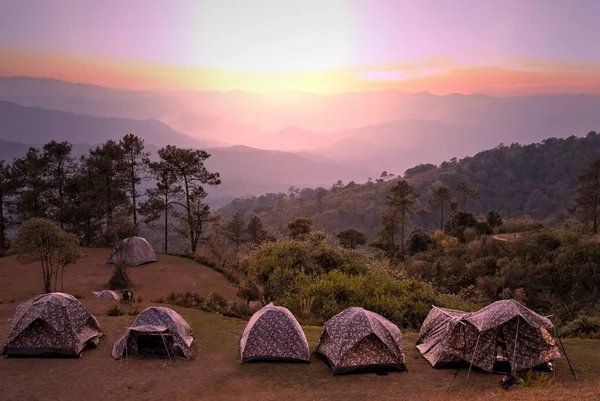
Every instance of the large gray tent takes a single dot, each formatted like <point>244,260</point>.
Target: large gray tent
<point>274,334</point>
<point>156,332</point>
<point>54,325</point>
<point>133,251</point>
<point>521,335</point>
<point>360,340</point>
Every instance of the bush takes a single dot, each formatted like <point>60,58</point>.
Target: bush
<point>418,241</point>
<point>249,291</point>
<point>212,303</point>
<point>119,280</point>
<point>510,226</point>
<point>583,327</point>
<point>404,302</point>
<point>114,310</point>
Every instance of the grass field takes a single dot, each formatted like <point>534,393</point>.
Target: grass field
<point>215,373</point>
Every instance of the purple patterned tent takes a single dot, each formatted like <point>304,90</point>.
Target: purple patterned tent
<point>434,334</point>
<point>360,340</point>
<point>274,334</point>
<point>156,332</point>
<point>107,295</point>
<point>133,251</point>
<point>54,324</point>
<point>519,333</point>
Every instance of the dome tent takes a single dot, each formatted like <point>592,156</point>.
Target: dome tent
<point>274,334</point>
<point>107,295</point>
<point>53,325</point>
<point>133,251</point>
<point>358,340</point>
<point>156,332</point>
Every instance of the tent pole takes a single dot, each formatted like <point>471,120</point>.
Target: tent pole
<point>472,356</point>
<point>512,368</point>
<point>566,356</point>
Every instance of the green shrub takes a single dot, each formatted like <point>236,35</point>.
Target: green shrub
<point>583,327</point>
<point>119,280</point>
<point>404,302</point>
<point>114,310</point>
<point>520,225</point>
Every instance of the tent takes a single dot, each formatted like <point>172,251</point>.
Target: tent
<point>133,251</point>
<point>53,325</point>
<point>435,333</point>
<point>520,335</point>
<point>360,340</point>
<point>274,334</point>
<point>156,332</point>
<point>107,295</point>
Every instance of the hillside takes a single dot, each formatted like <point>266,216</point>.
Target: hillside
<point>37,125</point>
<point>537,180</point>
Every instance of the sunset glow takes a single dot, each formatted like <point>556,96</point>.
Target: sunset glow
<point>497,47</point>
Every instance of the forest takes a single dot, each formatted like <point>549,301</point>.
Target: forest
<point>453,235</point>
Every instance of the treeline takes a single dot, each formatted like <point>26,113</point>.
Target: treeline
<point>537,180</point>
<point>106,194</point>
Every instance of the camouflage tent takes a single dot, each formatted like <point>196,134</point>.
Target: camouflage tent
<point>53,324</point>
<point>360,340</point>
<point>156,332</point>
<point>274,334</point>
<point>107,295</point>
<point>133,251</point>
<point>434,334</point>
<point>520,335</point>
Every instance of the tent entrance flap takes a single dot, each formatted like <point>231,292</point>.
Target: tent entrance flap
<point>153,345</point>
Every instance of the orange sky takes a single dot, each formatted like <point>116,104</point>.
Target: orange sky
<point>500,47</point>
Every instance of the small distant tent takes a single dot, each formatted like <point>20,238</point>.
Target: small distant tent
<point>502,331</point>
<point>133,251</point>
<point>107,295</point>
<point>360,340</point>
<point>52,325</point>
<point>274,334</point>
<point>157,332</point>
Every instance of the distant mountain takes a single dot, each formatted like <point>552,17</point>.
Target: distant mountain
<point>88,99</point>
<point>36,125</point>
<point>215,129</point>
<point>536,180</point>
<point>293,138</point>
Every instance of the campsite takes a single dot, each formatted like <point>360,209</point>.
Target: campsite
<point>215,372</point>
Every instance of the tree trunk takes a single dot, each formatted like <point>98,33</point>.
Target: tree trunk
<point>189,214</point>
<point>2,224</point>
<point>62,279</point>
<point>166,222</point>
<point>133,197</point>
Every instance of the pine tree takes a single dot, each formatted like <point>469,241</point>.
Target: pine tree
<point>187,165</point>
<point>60,167</point>
<point>440,200</point>
<point>465,193</point>
<point>255,230</point>
<point>236,230</point>
<point>7,189</point>
<point>136,162</point>
<point>31,186</point>
<point>587,198</point>
<point>401,205</point>
<point>162,198</point>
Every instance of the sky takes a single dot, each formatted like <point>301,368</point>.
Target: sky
<point>320,46</point>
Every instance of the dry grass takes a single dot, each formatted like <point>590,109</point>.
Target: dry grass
<point>215,372</point>
<point>91,273</point>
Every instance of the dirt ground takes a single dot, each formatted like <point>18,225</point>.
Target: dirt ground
<point>215,372</point>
